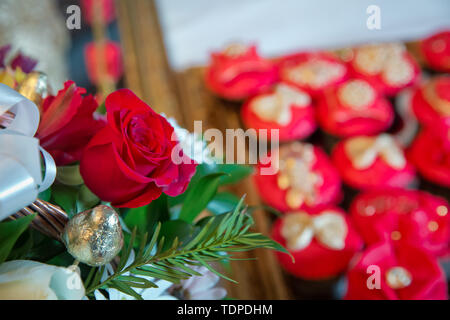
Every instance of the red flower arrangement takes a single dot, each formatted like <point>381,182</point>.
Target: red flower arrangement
<point>436,51</point>
<point>354,108</point>
<point>129,162</point>
<point>239,72</point>
<point>402,271</point>
<point>322,242</point>
<point>416,217</point>
<point>366,162</point>
<point>68,123</point>
<point>285,108</point>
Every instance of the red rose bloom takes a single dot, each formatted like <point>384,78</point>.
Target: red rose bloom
<point>405,273</point>
<point>354,108</point>
<point>397,214</point>
<point>239,72</point>
<point>68,123</point>
<point>430,153</point>
<point>322,242</point>
<point>129,161</point>
<point>436,51</point>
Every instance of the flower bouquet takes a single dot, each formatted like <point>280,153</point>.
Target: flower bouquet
<point>125,206</point>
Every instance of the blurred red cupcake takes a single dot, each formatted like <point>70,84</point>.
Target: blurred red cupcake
<point>430,153</point>
<point>354,108</point>
<point>110,54</point>
<point>400,271</point>
<point>238,72</point>
<point>436,51</point>
<point>303,177</point>
<point>285,108</point>
<point>388,67</point>
<point>416,217</point>
<point>322,242</point>
<point>366,162</point>
<point>431,105</point>
<point>312,72</point>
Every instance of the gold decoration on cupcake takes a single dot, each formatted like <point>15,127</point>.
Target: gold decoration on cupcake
<point>396,235</point>
<point>442,211</point>
<point>277,107</point>
<point>35,87</point>
<point>363,151</point>
<point>356,94</point>
<point>315,73</point>
<point>398,278</point>
<point>94,236</point>
<point>235,50</point>
<point>329,228</point>
<point>430,94</point>
<point>385,59</point>
<point>296,175</point>
<point>433,226</point>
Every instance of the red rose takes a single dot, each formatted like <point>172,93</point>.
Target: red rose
<point>129,161</point>
<point>67,123</point>
<point>402,271</point>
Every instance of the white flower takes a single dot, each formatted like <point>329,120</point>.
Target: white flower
<point>192,144</point>
<point>200,287</point>
<point>30,280</point>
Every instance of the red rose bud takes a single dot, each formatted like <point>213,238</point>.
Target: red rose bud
<point>239,72</point>
<point>354,108</point>
<point>322,242</point>
<point>68,123</point>
<point>430,153</point>
<point>110,55</point>
<point>106,6</point>
<point>416,217</point>
<point>399,271</point>
<point>129,162</point>
<point>389,67</point>
<point>436,51</point>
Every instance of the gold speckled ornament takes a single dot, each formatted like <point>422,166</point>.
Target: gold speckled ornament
<point>94,236</point>
<point>35,87</point>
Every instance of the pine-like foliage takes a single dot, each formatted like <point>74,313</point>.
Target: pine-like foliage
<point>217,239</point>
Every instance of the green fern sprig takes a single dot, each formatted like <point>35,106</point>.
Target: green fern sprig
<point>219,234</point>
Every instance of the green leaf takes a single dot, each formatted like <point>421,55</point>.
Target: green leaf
<point>10,231</point>
<point>69,175</point>
<point>45,195</point>
<point>234,173</point>
<point>222,202</point>
<point>86,199</point>
<point>175,229</point>
<point>65,197</point>
<point>198,197</point>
